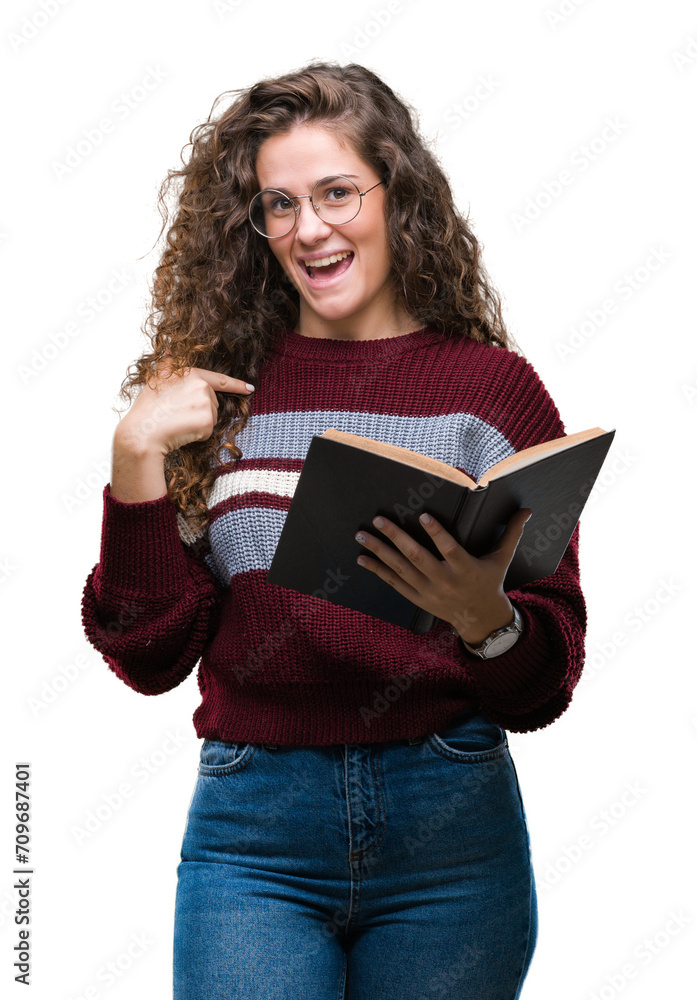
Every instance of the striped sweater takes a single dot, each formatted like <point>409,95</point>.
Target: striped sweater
<point>285,668</point>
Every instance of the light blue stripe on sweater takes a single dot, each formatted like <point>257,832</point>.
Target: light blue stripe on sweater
<point>459,439</point>
<point>245,539</point>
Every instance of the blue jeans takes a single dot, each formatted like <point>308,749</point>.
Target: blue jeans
<point>374,871</point>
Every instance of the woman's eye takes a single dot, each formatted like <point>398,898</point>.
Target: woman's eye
<point>336,194</point>
<point>281,205</point>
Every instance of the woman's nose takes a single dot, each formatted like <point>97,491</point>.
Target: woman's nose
<point>309,227</point>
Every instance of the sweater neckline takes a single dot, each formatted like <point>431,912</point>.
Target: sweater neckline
<point>296,345</point>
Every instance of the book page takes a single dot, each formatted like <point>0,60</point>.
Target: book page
<point>529,455</point>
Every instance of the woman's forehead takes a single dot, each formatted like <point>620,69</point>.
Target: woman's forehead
<point>305,154</point>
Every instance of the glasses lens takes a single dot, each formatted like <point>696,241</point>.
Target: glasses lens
<point>336,199</point>
<point>272,213</point>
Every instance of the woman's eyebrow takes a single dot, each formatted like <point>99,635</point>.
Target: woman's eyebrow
<point>285,190</point>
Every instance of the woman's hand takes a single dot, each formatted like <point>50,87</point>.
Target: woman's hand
<point>169,412</point>
<point>460,589</point>
<point>174,409</point>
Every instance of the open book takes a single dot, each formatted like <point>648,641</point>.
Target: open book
<point>346,480</point>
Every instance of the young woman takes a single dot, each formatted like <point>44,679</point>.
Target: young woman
<point>356,827</point>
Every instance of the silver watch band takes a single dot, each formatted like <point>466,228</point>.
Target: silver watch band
<point>500,640</point>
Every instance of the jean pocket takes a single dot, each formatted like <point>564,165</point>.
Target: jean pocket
<point>470,737</point>
<point>219,757</point>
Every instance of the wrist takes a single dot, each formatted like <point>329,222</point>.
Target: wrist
<point>137,470</point>
<point>474,629</point>
<point>130,443</point>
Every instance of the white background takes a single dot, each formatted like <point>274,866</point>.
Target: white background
<point>509,93</point>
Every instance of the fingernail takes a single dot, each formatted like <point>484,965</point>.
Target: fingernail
<point>250,387</point>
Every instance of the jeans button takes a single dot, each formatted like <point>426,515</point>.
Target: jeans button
<point>271,746</point>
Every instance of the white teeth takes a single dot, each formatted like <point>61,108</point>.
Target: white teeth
<point>328,260</point>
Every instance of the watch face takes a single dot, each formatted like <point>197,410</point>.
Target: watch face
<point>501,643</point>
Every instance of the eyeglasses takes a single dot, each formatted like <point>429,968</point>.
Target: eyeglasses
<point>335,199</point>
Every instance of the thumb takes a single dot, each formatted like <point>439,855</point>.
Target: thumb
<point>511,535</point>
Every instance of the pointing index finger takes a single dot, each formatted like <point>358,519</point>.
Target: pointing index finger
<point>224,383</point>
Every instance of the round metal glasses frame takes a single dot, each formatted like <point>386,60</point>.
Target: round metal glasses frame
<point>294,199</point>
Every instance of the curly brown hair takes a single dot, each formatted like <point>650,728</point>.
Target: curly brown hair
<point>219,295</point>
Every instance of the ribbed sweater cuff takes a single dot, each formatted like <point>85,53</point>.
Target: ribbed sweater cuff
<point>521,674</point>
<point>141,549</point>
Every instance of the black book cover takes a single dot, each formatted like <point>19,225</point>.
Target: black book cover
<point>342,487</point>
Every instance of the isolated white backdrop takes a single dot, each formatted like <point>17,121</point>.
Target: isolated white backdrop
<point>597,270</point>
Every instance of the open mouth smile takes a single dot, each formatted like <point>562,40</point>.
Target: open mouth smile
<point>323,270</point>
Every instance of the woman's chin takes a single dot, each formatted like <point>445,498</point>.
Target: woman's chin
<point>329,312</point>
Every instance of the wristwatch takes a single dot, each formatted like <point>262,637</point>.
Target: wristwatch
<point>500,640</point>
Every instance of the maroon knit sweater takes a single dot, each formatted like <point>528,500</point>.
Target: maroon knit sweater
<point>281,667</point>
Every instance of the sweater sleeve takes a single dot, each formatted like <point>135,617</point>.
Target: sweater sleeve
<point>149,605</point>
<point>531,684</point>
